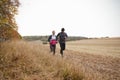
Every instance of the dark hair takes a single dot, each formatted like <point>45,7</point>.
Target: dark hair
<point>62,29</point>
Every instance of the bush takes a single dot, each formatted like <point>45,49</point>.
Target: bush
<point>8,33</point>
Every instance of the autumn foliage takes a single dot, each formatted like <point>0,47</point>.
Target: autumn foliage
<point>8,33</point>
<point>8,26</point>
<point>8,10</point>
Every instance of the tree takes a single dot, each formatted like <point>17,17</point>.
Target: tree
<point>8,10</point>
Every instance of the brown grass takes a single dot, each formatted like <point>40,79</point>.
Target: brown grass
<point>20,60</point>
<point>99,58</point>
<point>104,47</point>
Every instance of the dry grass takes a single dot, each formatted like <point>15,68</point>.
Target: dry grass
<point>20,60</point>
<point>104,47</point>
<point>99,58</point>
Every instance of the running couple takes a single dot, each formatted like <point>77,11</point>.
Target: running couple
<point>61,37</point>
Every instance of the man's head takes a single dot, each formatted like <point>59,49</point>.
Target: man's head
<point>62,29</point>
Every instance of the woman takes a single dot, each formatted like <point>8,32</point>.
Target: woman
<point>52,41</point>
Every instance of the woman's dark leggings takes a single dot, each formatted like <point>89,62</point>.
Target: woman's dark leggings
<point>53,48</point>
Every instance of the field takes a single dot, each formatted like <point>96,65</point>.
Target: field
<point>89,59</point>
<point>98,59</point>
<point>105,47</point>
<point>99,56</point>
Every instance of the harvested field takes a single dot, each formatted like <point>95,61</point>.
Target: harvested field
<point>100,57</point>
<point>105,47</point>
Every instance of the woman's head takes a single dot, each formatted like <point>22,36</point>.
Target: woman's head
<point>53,32</point>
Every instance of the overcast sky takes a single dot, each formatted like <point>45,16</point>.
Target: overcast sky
<point>89,18</point>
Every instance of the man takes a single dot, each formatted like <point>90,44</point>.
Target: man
<point>62,40</point>
<point>52,41</point>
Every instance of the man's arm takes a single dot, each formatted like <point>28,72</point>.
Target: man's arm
<point>58,36</point>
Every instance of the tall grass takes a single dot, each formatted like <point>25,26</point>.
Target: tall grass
<point>20,60</point>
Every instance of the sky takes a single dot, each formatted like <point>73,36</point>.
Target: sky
<point>88,18</point>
